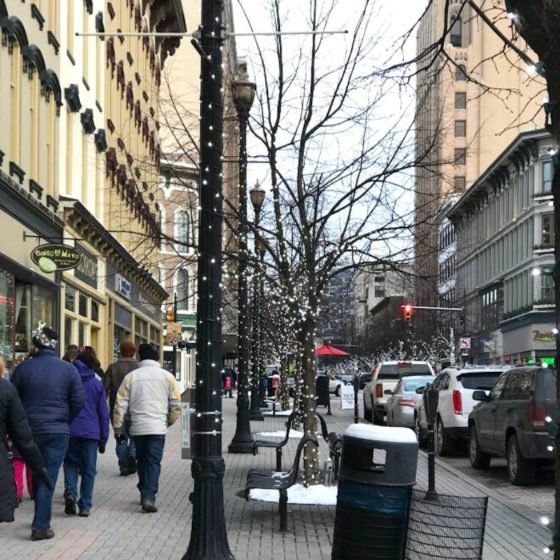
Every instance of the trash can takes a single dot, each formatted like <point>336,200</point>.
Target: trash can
<point>377,473</point>
<point>322,390</point>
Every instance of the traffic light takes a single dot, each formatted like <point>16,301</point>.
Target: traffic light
<point>170,314</point>
<point>407,312</point>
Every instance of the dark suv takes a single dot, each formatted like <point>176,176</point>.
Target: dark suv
<point>511,421</point>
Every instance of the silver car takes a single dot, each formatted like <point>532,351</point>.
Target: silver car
<point>402,401</point>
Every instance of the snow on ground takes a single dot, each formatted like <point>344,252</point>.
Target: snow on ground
<point>279,433</point>
<point>313,495</point>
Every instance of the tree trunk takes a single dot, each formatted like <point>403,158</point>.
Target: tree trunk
<point>284,396</point>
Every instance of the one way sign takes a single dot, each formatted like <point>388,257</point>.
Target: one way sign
<point>465,343</point>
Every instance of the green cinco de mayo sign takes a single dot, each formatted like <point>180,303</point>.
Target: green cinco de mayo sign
<point>52,257</point>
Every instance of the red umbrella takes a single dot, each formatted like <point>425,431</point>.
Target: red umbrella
<point>328,350</point>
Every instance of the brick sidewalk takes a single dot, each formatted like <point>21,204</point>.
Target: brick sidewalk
<point>118,530</point>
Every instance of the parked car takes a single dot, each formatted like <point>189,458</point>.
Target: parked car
<point>337,381</point>
<point>455,401</point>
<point>365,377</point>
<point>385,377</point>
<point>401,404</point>
<point>510,422</point>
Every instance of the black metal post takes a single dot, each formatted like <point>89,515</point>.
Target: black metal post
<point>260,337</point>
<point>174,350</point>
<point>356,382</point>
<point>208,529</point>
<point>431,397</point>
<point>255,411</point>
<point>242,441</point>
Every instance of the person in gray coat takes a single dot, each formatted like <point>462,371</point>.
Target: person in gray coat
<point>116,372</point>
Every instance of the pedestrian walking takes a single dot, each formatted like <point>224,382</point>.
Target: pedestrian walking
<point>52,395</point>
<point>22,473</point>
<point>89,432</point>
<point>13,424</point>
<point>71,353</point>
<point>151,397</point>
<point>116,372</point>
<point>227,386</point>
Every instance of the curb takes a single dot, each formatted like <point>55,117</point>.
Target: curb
<point>524,511</point>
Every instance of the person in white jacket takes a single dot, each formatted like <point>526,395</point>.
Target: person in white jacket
<point>150,397</point>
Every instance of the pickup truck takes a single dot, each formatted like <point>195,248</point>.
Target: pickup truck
<point>385,378</point>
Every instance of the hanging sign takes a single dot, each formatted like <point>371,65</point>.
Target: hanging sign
<point>53,256</point>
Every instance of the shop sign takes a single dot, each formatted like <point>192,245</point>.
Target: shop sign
<point>86,271</point>
<point>52,257</point>
<point>539,336</point>
<point>122,286</point>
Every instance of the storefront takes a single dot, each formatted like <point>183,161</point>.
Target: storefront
<point>529,343</point>
<point>28,296</point>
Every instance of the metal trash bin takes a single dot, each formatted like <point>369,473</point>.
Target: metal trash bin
<point>377,473</point>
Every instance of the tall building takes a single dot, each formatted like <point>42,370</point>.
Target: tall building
<point>472,101</point>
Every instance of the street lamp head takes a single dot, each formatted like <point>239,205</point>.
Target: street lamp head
<point>257,195</point>
<point>243,93</point>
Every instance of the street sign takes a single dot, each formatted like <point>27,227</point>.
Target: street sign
<point>465,343</point>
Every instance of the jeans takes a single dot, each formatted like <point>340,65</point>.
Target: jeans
<point>53,449</point>
<point>125,449</point>
<point>149,452</point>
<point>81,458</point>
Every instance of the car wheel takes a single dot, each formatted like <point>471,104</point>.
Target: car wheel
<point>477,457</point>
<point>337,391</point>
<point>444,444</point>
<point>520,471</point>
<point>420,436</point>
<point>367,412</point>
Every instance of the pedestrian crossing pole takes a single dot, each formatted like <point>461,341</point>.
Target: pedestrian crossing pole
<point>208,530</point>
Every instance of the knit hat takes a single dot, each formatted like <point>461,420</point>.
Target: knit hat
<point>45,337</point>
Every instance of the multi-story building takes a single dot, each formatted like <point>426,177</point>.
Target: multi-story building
<point>379,293</point>
<point>504,228</point>
<point>472,101</point>
<point>79,165</point>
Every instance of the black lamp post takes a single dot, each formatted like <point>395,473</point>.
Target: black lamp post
<point>208,529</point>
<point>243,92</point>
<point>257,199</point>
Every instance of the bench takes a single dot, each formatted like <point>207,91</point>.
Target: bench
<point>281,481</point>
<point>278,445</point>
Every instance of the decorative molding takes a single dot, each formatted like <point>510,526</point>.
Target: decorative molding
<point>35,14</point>
<point>52,40</point>
<point>145,96</point>
<point>137,78</point>
<point>2,154</point>
<point>33,59</point>
<point>86,84</point>
<point>70,57</point>
<point>111,57</point>
<point>52,203</point>
<point>98,105</point>
<point>13,30</point>
<point>3,9</point>
<point>110,125</point>
<point>99,25</point>
<point>88,124</point>
<point>50,82</point>
<point>72,96</point>
<point>111,10</point>
<point>100,140</point>
<point>36,188</point>
<point>129,58</point>
<point>89,6</point>
<point>15,169</point>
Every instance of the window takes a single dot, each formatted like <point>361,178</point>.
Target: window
<point>456,33</point>
<point>460,100</point>
<point>460,129</point>
<point>379,291</point>
<point>496,392</point>
<point>547,176</point>
<point>460,73</point>
<point>547,236</point>
<point>182,289</point>
<point>547,286</point>
<point>460,156</point>
<point>459,183</point>
<point>182,224</point>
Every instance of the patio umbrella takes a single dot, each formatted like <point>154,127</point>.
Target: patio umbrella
<point>328,350</point>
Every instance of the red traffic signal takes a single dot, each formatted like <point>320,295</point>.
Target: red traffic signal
<point>407,311</point>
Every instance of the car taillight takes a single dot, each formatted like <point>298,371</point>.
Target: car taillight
<point>379,391</point>
<point>537,414</point>
<point>457,402</point>
<point>404,401</point>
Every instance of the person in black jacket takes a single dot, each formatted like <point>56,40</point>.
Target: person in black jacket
<point>52,395</point>
<point>13,422</point>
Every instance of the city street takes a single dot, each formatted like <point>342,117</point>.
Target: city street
<point>117,528</point>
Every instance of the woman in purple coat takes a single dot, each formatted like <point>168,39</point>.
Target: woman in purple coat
<point>89,432</point>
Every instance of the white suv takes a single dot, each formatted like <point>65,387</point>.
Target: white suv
<point>455,388</point>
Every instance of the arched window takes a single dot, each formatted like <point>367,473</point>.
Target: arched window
<point>182,288</point>
<point>460,73</point>
<point>182,226</point>
<point>456,32</point>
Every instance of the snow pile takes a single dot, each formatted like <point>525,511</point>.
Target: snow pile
<point>381,433</point>
<point>279,433</point>
<point>313,495</point>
